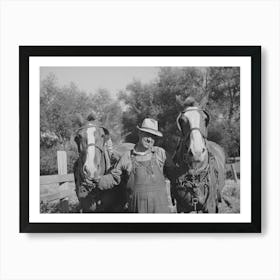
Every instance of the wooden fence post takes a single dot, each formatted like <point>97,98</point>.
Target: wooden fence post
<point>61,162</point>
<point>62,170</point>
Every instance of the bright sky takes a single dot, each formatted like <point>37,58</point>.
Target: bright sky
<point>89,79</point>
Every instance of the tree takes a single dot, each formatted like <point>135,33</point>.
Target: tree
<point>62,110</point>
<point>224,89</point>
<point>224,104</point>
<point>216,87</point>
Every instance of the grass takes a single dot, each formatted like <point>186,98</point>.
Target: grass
<point>230,201</point>
<point>57,207</point>
<point>230,197</point>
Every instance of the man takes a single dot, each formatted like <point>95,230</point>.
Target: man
<point>142,169</point>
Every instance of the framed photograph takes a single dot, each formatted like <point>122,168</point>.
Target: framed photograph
<point>140,139</point>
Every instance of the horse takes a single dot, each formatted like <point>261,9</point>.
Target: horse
<point>93,162</point>
<point>198,187</point>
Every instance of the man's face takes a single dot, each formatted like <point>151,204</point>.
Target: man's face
<point>146,139</point>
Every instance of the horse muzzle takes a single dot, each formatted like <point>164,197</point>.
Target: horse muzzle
<point>88,174</point>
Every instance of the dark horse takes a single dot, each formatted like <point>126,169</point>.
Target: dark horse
<point>93,162</point>
<point>198,188</point>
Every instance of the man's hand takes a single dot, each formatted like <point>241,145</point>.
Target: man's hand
<point>82,191</point>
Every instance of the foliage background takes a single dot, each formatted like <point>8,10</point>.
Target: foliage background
<point>61,109</point>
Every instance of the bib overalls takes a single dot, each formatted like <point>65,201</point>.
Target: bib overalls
<point>146,187</point>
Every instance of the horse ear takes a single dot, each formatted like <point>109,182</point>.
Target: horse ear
<point>107,133</point>
<point>203,102</point>
<point>207,120</point>
<point>190,102</point>
<point>74,141</point>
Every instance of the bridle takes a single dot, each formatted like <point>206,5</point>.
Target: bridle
<point>97,146</point>
<point>93,144</point>
<point>193,129</point>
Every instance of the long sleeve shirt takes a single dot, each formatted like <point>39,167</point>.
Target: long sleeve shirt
<point>124,167</point>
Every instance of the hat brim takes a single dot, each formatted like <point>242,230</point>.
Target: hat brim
<point>151,131</point>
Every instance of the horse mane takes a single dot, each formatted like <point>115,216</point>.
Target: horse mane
<point>190,102</point>
<point>178,153</point>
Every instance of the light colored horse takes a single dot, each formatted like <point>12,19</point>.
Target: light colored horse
<point>202,163</point>
<point>92,163</point>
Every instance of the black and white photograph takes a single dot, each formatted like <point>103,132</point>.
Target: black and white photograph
<point>140,139</point>
<point>123,136</point>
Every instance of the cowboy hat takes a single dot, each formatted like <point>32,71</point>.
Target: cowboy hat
<point>150,126</point>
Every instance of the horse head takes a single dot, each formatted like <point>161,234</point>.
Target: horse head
<point>90,140</point>
<point>93,162</point>
<point>198,188</point>
<point>193,122</point>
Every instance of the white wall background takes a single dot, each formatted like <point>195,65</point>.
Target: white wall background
<point>139,256</point>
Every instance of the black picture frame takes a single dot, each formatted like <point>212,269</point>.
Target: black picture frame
<point>254,52</point>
